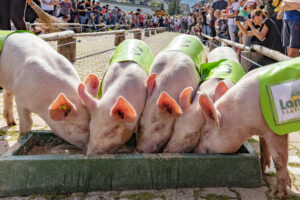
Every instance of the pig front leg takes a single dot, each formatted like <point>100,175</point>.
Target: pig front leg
<point>265,157</point>
<point>278,146</point>
<point>8,113</point>
<point>25,120</point>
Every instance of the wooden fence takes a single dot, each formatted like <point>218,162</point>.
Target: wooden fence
<point>66,40</point>
<point>249,53</point>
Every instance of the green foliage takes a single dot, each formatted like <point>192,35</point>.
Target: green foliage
<point>174,8</point>
<point>155,4</point>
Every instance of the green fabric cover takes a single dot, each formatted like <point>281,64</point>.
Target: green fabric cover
<point>5,34</point>
<point>190,45</point>
<point>279,86</point>
<point>131,50</point>
<point>223,69</point>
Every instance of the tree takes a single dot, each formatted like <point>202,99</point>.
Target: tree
<point>155,4</point>
<point>174,8</point>
<point>162,7</point>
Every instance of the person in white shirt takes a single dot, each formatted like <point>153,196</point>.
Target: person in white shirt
<point>48,6</point>
<point>234,8</point>
<point>190,22</point>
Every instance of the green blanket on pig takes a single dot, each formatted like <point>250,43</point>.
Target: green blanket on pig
<point>222,69</point>
<point>131,50</point>
<point>5,34</point>
<point>279,86</point>
<point>190,45</point>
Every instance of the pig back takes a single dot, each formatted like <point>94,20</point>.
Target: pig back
<point>222,53</point>
<point>175,71</point>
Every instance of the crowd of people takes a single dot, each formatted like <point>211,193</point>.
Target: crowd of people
<point>92,12</point>
<point>271,23</point>
<point>274,24</point>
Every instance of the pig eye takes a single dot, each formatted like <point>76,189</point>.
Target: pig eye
<point>205,131</point>
<point>158,127</point>
<point>111,132</point>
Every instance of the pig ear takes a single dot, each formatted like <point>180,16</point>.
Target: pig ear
<point>123,111</point>
<point>209,109</point>
<point>89,101</point>
<point>185,98</point>
<point>168,106</point>
<point>60,108</point>
<point>220,90</point>
<point>92,84</point>
<point>151,82</point>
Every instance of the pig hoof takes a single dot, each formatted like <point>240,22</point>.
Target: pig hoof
<point>279,194</point>
<point>13,123</point>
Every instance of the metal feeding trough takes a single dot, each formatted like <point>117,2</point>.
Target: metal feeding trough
<point>23,173</point>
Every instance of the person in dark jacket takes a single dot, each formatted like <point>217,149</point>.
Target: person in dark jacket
<point>14,10</point>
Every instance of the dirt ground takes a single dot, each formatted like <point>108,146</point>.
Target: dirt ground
<point>93,54</point>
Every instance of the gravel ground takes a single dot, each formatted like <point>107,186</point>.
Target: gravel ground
<point>93,54</point>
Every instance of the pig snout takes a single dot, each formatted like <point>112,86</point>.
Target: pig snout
<point>146,148</point>
<point>202,150</point>
<point>94,149</point>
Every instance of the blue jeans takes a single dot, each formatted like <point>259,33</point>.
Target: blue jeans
<point>97,18</point>
<point>206,30</point>
<point>113,20</point>
<point>81,19</point>
<point>232,29</point>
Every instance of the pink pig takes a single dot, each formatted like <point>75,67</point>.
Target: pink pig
<point>114,117</point>
<point>187,128</point>
<point>237,116</point>
<point>43,82</point>
<point>176,79</point>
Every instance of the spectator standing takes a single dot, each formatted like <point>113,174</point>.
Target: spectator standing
<point>172,24</point>
<point>139,20</point>
<point>291,27</point>
<point>119,15</point>
<point>65,9</point>
<point>97,10</point>
<point>233,11</point>
<point>272,14</point>
<point>114,15</point>
<point>190,22</point>
<point>167,25</point>
<point>82,10</point>
<point>221,24</point>
<point>217,5</point>
<point>73,11</point>
<point>177,25</point>
<point>129,18</point>
<point>161,21</point>
<point>48,6</point>
<point>106,17</point>
<point>89,7</point>
<point>183,24</point>
<point>103,11</point>
<point>204,14</point>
